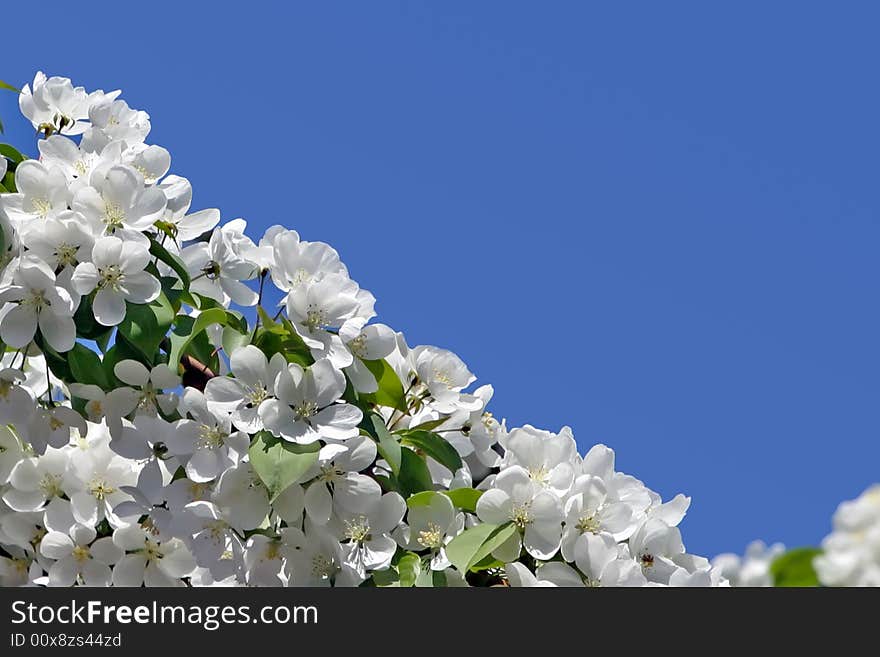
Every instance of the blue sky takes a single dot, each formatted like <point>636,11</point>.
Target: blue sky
<point>654,222</point>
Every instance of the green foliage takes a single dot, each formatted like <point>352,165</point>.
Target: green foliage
<point>187,329</point>
<point>390,392</point>
<point>86,367</point>
<point>145,326</point>
<point>434,445</point>
<point>464,498</point>
<point>161,253</point>
<point>279,463</point>
<point>475,543</point>
<point>414,475</point>
<point>795,568</point>
<point>273,337</point>
<point>388,447</point>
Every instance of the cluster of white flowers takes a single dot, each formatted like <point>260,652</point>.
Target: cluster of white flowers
<point>753,568</point>
<point>154,431</point>
<point>851,552</point>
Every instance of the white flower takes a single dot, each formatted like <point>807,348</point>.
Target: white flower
<point>430,527</point>
<point>185,227</point>
<point>114,120</point>
<point>600,559</point>
<point>252,388</point>
<point>51,427</point>
<point>319,311</point>
<point>536,512</point>
<point>753,568</point>
<point>150,562</point>
<point>656,546</point>
<point>147,392</point>
<point>11,453</point>
<point>305,408</point>
<point>217,271</point>
<point>62,242</point>
<point>591,510</point>
<point>242,497</point>
<point>443,376</point>
<point>80,557</point>
<point>547,457</point>
<point>296,263</point>
<point>55,105</point>
<point>850,551</point>
<point>369,545</point>
<point>117,204</point>
<point>16,399</point>
<point>34,481</point>
<point>97,476</point>
<point>316,559</point>
<point>371,342</point>
<point>117,272</point>
<point>207,439</point>
<point>337,483</point>
<point>40,303</point>
<point>42,194</point>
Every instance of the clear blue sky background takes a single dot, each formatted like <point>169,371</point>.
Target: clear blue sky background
<point>655,222</point>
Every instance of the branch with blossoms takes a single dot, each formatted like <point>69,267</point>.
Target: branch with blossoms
<point>162,426</point>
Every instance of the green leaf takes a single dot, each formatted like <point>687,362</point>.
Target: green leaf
<point>430,425</point>
<point>494,541</point>
<point>421,499</point>
<point>461,550</point>
<point>173,261</point>
<point>414,475</point>
<point>233,339</point>
<point>186,329</point>
<point>390,392</point>
<point>145,325</point>
<point>12,153</point>
<point>389,448</point>
<point>795,568</point>
<point>464,498</point>
<point>86,367</point>
<point>279,463</point>
<point>387,577</point>
<point>409,567</point>
<point>434,445</point>
<point>6,85</point>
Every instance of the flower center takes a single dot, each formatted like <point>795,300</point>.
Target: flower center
<point>647,560</point>
<point>539,475</point>
<point>358,346</point>
<point>81,553</point>
<point>257,395</point>
<point>66,254</point>
<point>587,524</point>
<point>37,300</point>
<point>80,167</point>
<point>100,489</point>
<point>441,376</point>
<point>50,485</point>
<point>211,270</point>
<point>329,474</point>
<point>305,409</point>
<point>41,207</point>
<point>301,276</point>
<point>110,276</point>
<point>323,567</point>
<point>114,216</point>
<point>432,537</point>
<point>358,530</point>
<point>210,437</point>
<point>151,550</point>
<point>521,514</point>
<point>315,318</point>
